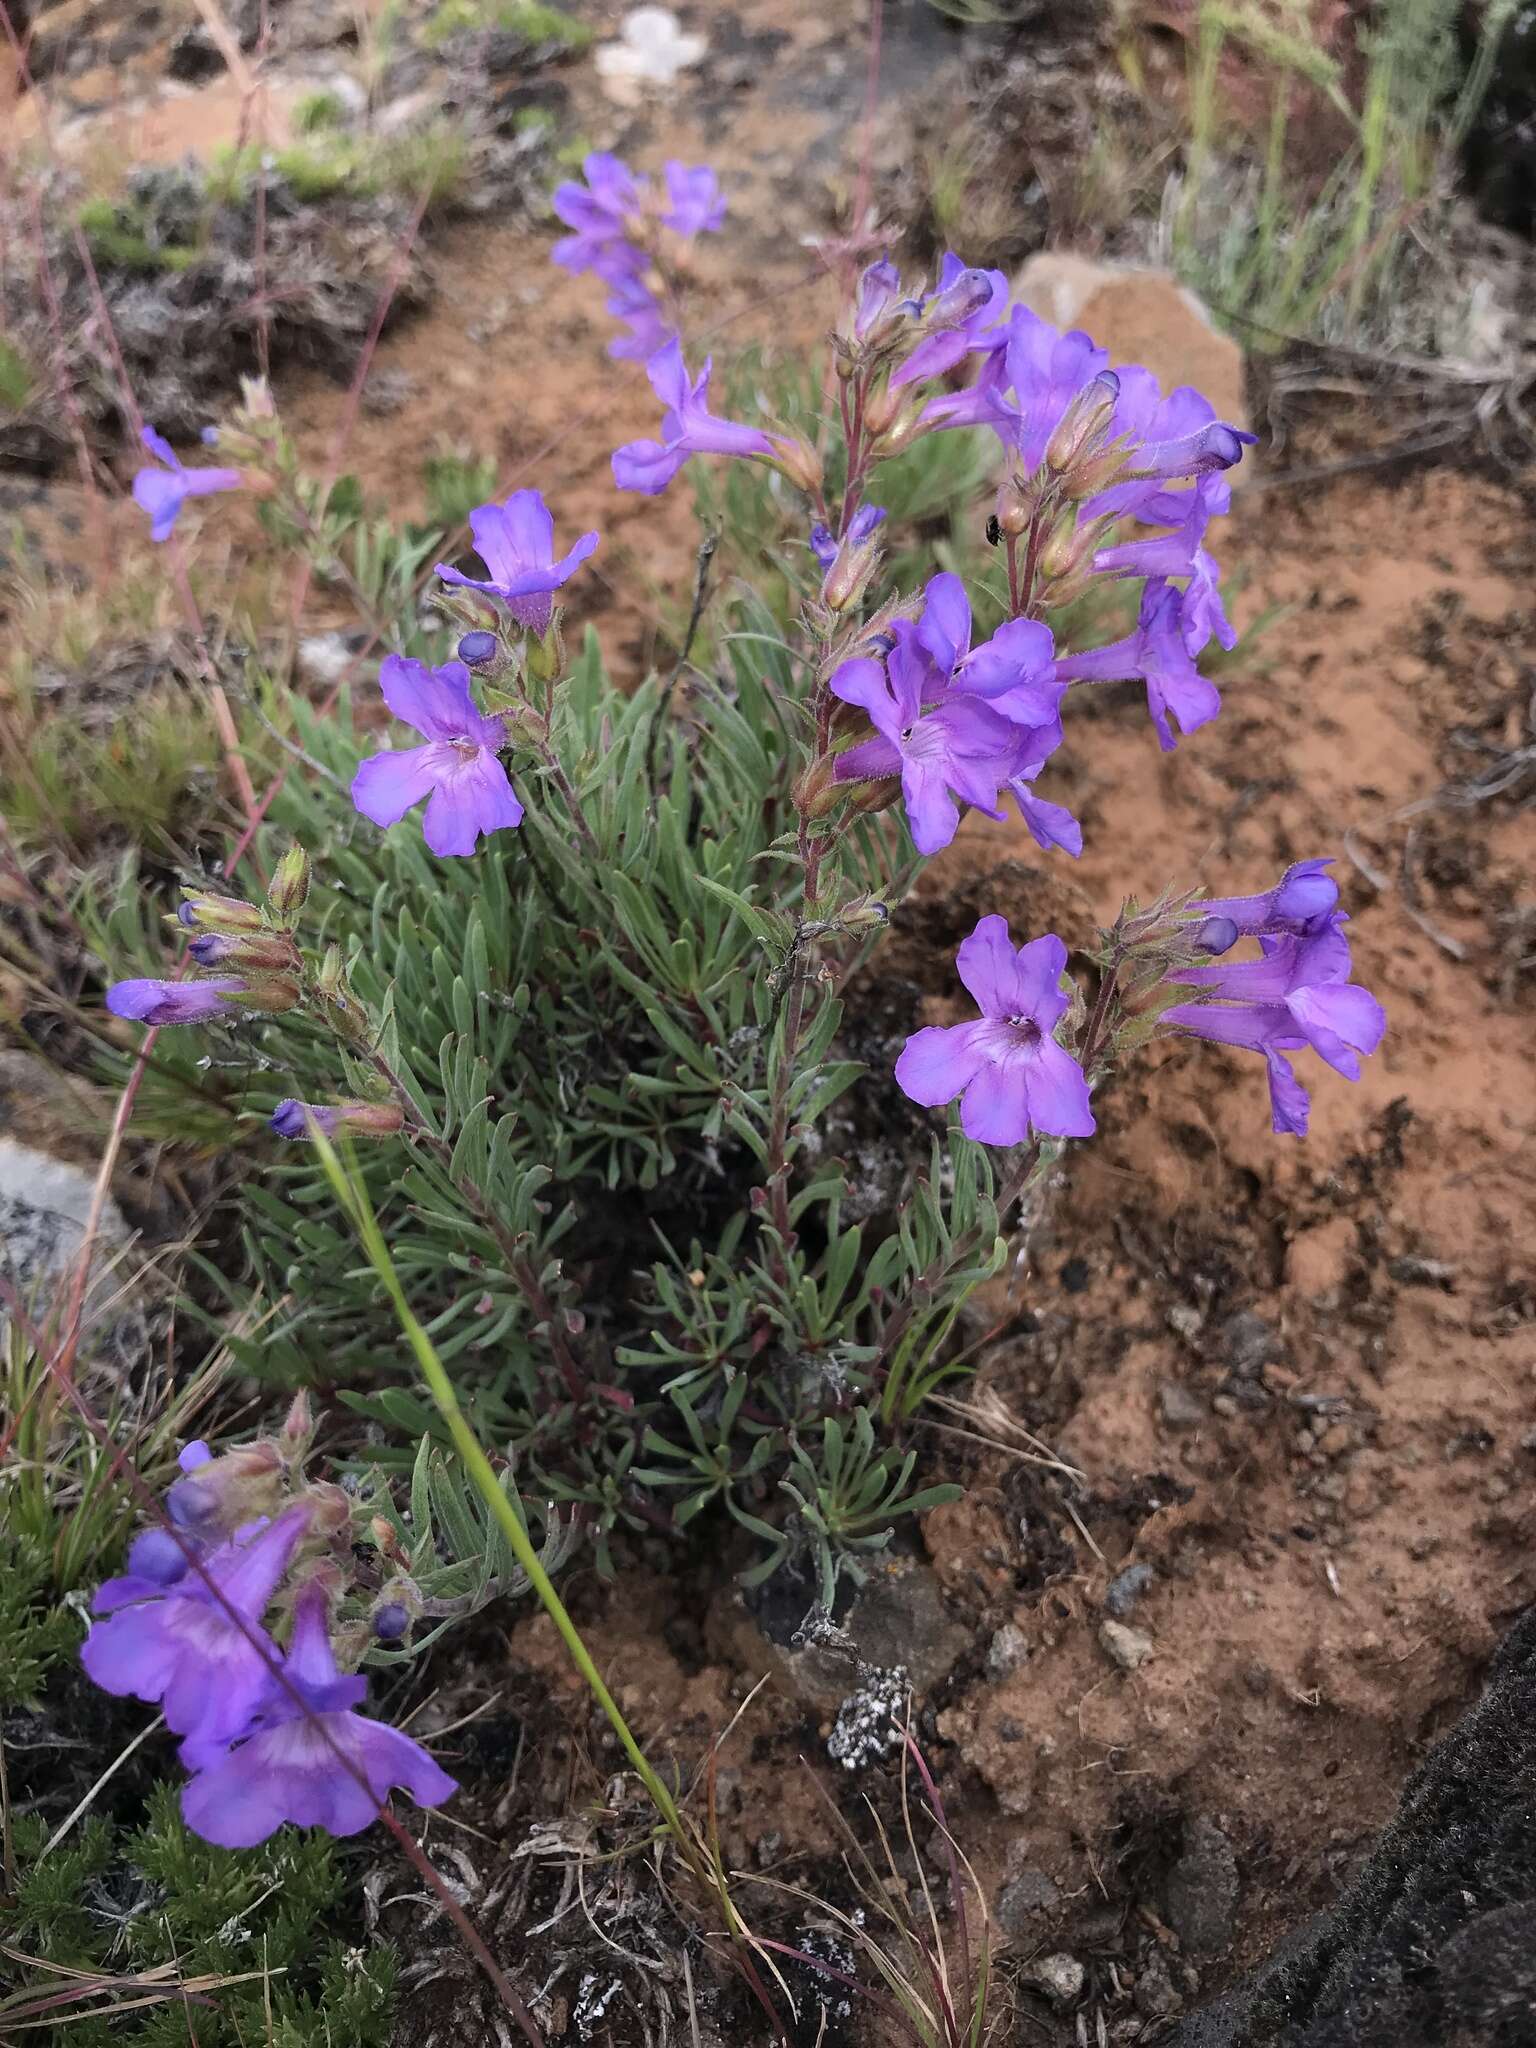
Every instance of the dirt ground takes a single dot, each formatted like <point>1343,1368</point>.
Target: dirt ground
<point>1297,1378</point>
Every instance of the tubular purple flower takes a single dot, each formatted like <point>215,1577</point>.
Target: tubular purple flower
<point>1300,903</point>
<point>631,300</point>
<point>1298,994</point>
<point>1049,825</point>
<point>695,203</point>
<point>964,303</point>
<point>310,1760</point>
<point>823,544</point>
<point>603,212</point>
<point>1157,654</point>
<point>878,292</point>
<point>183,1649</point>
<point>962,748</point>
<point>516,542</point>
<point>162,492</point>
<point>852,564</point>
<point>457,770</point>
<point>174,1002</point>
<point>688,427</point>
<point>1007,1068</point>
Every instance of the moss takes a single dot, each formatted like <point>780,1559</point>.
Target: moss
<point>539,26</point>
<point>319,112</point>
<point>119,236</point>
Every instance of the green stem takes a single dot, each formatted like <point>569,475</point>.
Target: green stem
<point>480,1470</point>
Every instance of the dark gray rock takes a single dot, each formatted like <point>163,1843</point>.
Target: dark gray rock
<point>1021,1904</point>
<point>1179,1408</point>
<point>1125,1590</point>
<point>1248,1344</point>
<point>1200,1899</point>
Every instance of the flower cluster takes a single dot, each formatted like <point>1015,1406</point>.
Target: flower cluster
<point>1296,994</point>
<point>224,1619</point>
<point>637,240</point>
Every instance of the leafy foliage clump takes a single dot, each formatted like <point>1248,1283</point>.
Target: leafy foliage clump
<point>155,1937</point>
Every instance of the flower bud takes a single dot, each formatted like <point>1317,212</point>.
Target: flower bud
<point>478,649</point>
<point>290,883</point>
<point>953,306</point>
<point>798,460</point>
<point>856,560</point>
<point>1215,935</point>
<point>298,1427</point>
<point>270,952</point>
<point>385,1538</point>
<point>272,994</point>
<point>880,409</point>
<point>330,1508</point>
<point>816,791</point>
<point>1081,429</point>
<point>218,1494</point>
<point>390,1621</point>
<point>294,1119</point>
<point>868,798</point>
<point>219,914</point>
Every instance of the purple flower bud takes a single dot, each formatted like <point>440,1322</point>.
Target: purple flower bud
<point>158,1556</point>
<point>293,1119</point>
<point>863,524</point>
<point>192,1505</point>
<point>390,1622</point>
<point>477,650</point>
<point>823,545</point>
<point>1216,935</point>
<point>193,1455</point>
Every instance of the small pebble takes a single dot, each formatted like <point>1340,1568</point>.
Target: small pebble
<point>1128,1647</point>
<point>1060,1977</point>
<point>1007,1651</point>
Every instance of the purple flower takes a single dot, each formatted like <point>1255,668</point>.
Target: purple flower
<point>603,212</point>
<point>173,1002</point>
<point>688,427</point>
<point>1300,903</point>
<point>1157,654</point>
<point>181,1647</point>
<point>878,292</point>
<point>962,747</point>
<point>695,204</point>
<point>1011,1075</point>
<point>1298,994</point>
<point>162,492</point>
<point>516,542</point>
<point>1179,435</point>
<point>457,768</point>
<point>631,300</point>
<point>1049,824</point>
<point>310,1760</point>
<point>953,316</point>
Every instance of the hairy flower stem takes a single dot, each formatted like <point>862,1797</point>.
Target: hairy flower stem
<point>556,769</point>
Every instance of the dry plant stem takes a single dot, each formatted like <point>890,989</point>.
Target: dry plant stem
<point>468,1933</point>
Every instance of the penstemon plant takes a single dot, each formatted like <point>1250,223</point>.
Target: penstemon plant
<point>593,1014</point>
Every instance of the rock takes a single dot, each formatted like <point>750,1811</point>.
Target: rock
<point>1318,1260</point>
<point>1140,316</point>
<point>194,56</point>
<point>1200,1896</point>
<point>1248,1344</point>
<point>1179,1408</point>
<point>1126,1588</point>
<point>651,51</point>
<point>1007,1651</point>
<point>897,1619</point>
<point>1020,1904</point>
<point>1061,1977</point>
<point>1127,1647</point>
<point>1155,1996</point>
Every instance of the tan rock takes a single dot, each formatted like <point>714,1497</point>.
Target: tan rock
<point>1140,316</point>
